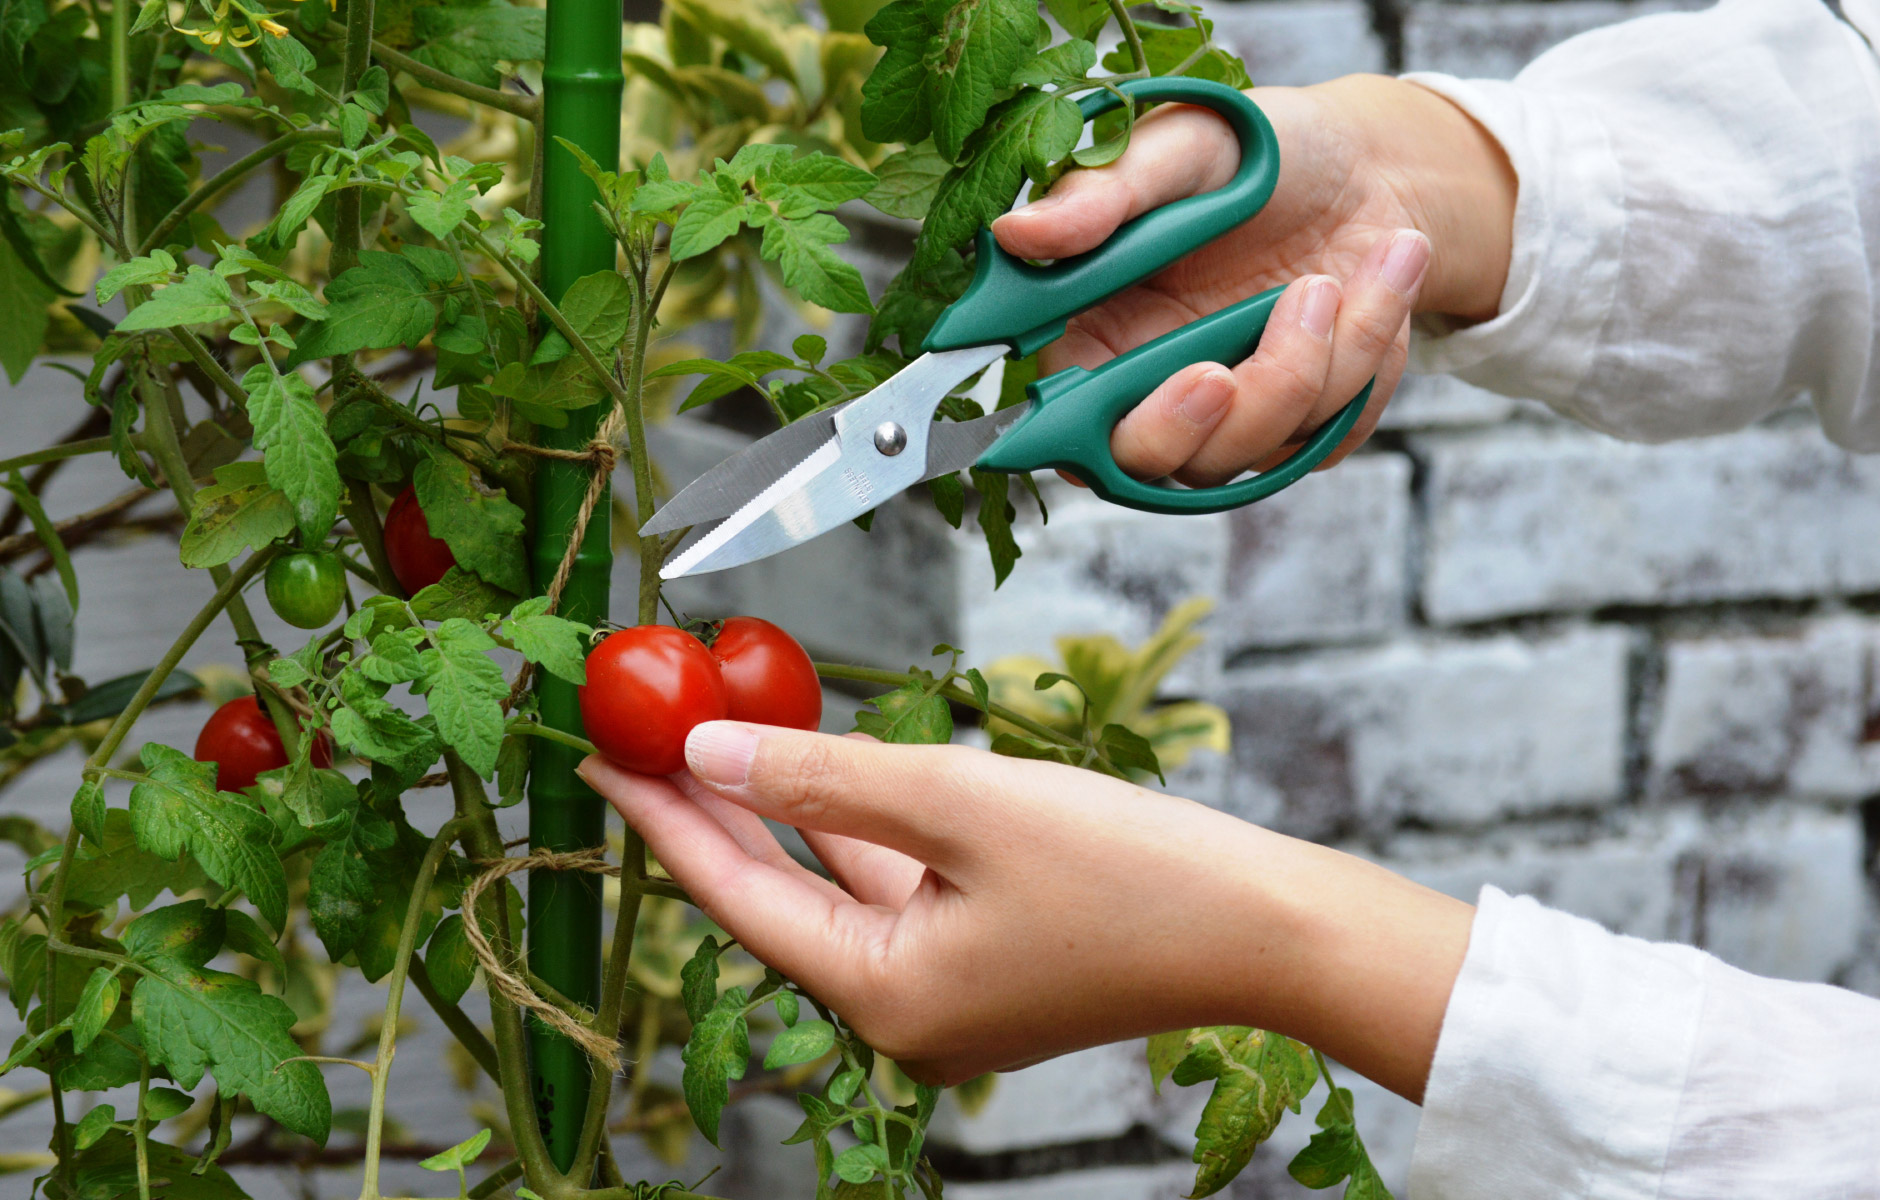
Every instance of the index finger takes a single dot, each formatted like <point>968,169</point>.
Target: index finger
<point>1176,151</point>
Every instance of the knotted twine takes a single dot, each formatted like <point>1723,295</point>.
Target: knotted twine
<point>602,1046</point>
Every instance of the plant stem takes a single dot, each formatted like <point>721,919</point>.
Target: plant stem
<point>526,107</point>
<point>530,728</point>
<point>1128,25</point>
<point>554,314</point>
<point>395,998</point>
<point>643,498</point>
<point>140,1134</point>
<point>952,692</point>
<point>227,177</point>
<point>199,354</point>
<point>97,445</point>
<point>357,57</point>
<point>481,840</point>
<point>364,517</point>
<point>613,997</point>
<point>497,1180</point>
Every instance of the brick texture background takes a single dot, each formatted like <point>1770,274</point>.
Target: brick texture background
<point>1492,648</point>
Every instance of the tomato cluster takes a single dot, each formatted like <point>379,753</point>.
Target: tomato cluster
<point>647,687</point>
<point>242,742</point>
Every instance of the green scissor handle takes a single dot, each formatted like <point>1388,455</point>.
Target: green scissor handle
<point>1074,411</point>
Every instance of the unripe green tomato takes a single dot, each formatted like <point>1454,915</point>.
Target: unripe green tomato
<point>305,589</point>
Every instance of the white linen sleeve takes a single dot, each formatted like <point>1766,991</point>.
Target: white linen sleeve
<point>1574,1062</point>
<point>1697,227</point>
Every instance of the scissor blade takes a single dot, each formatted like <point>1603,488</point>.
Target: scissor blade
<point>737,479</point>
<point>845,477</point>
<point>956,445</point>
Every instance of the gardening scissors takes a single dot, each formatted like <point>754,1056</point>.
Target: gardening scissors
<point>834,465</point>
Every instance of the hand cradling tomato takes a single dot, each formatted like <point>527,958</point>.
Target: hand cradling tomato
<point>305,589</point>
<point>242,742</point>
<point>418,559</point>
<point>647,687</point>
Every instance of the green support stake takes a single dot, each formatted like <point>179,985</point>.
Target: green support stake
<point>582,87</point>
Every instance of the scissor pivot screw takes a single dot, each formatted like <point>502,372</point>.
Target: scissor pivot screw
<point>890,438</point>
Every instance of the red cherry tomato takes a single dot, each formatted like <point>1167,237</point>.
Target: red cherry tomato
<point>241,740</point>
<point>418,559</point>
<point>769,678</point>
<point>646,688</point>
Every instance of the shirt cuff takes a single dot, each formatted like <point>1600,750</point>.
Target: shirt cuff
<point>1562,1059</point>
<point>1569,224</point>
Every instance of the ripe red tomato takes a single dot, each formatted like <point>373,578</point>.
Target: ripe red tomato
<point>769,678</point>
<point>646,688</point>
<point>241,740</point>
<point>418,559</point>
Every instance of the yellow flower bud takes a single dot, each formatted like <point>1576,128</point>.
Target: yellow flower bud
<point>273,28</point>
<point>210,37</point>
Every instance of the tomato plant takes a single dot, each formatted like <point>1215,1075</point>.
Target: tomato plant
<point>402,372</point>
<point>646,688</point>
<point>242,742</point>
<point>769,678</point>
<point>306,590</point>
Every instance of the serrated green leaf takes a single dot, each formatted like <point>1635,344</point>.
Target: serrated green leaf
<point>161,1103</point>
<point>116,866</point>
<point>200,298</point>
<point>240,511</point>
<point>1257,1077</point>
<point>718,1051</point>
<point>245,936</point>
<point>298,456</point>
<point>816,181</point>
<point>1164,1051</point>
<point>469,41</point>
<point>482,528</point>
<point>290,63</point>
<point>599,307</point>
<point>98,1120</point>
<point>907,182</point>
<point>908,716</point>
<point>859,1164</point>
<point>1080,18</point>
<point>1062,64</point>
<point>705,223</point>
<point>1129,751</point>
<point>383,302</point>
<point>915,299</point>
<point>555,644</point>
<point>1031,128</point>
<point>801,1043</point>
<point>177,808</point>
<point>465,689</point>
<point>155,267</point>
<point>339,890</point>
<point>698,980</point>
<point>88,809</point>
<point>895,104</point>
<point>440,213</point>
<point>996,514</point>
<point>194,1020</point>
<point>460,594</point>
<point>975,50</point>
<point>1167,47</point>
<point>190,932</point>
<point>811,268</point>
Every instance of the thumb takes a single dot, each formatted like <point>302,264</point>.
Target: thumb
<point>907,798</point>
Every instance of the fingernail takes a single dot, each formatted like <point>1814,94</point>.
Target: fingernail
<point>721,752</point>
<point>1207,396</point>
<point>1405,262</point>
<point>1320,308</point>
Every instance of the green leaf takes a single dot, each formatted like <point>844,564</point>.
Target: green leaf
<point>859,1164</point>
<point>94,1008</point>
<point>190,932</point>
<point>161,1103</point>
<point>383,302</point>
<point>200,298</point>
<point>698,980</point>
<point>450,960</point>
<point>812,183</point>
<point>116,866</point>
<point>1029,131</point>
<point>1257,1077</point>
<point>1129,751</point>
<point>240,511</point>
<point>718,1052</point>
<point>154,268</point>
<point>810,267</point>
<point>49,539</point>
<point>977,47</point>
<point>459,1156</point>
<point>1165,1050</point>
<point>801,1043</point>
<point>787,1008</point>
<point>339,892</point>
<point>1336,1153</point>
<point>88,809</point>
<point>996,514</point>
<point>908,716</point>
<point>440,213</point>
<point>299,457</point>
<point>465,689</point>
<point>915,300</point>
<point>599,307</point>
<point>842,1087</point>
<point>556,644</point>
<point>895,104</point>
<point>290,63</point>
<point>705,223</point>
<point>193,1020</point>
<point>93,1125</point>
<point>286,224</point>
<point>1063,64</point>
<point>245,936</point>
<point>460,594</point>
<point>23,297</point>
<point>177,808</point>
<point>908,181</point>
<point>482,528</point>
<point>1167,47</point>
<point>1080,18</point>
<point>468,41</point>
